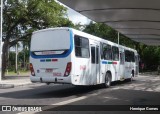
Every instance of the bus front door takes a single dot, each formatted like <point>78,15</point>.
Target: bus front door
<point>121,68</point>
<point>95,66</point>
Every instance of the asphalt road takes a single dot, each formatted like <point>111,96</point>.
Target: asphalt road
<point>144,90</point>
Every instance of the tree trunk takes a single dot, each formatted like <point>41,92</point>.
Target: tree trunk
<point>4,58</point>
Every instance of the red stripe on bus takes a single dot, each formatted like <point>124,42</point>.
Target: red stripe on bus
<point>114,62</point>
<point>54,60</point>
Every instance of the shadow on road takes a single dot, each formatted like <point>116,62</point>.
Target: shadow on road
<point>64,91</point>
<point>56,91</point>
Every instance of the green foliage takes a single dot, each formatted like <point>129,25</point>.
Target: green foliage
<point>150,55</point>
<point>103,31</point>
<point>23,55</point>
<point>11,59</point>
<point>22,17</point>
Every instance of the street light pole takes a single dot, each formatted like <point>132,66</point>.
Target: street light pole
<point>1,40</point>
<point>118,38</point>
<point>16,70</point>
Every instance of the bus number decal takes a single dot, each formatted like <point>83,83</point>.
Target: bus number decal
<point>57,74</point>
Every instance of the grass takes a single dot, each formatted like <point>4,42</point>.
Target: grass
<point>19,73</point>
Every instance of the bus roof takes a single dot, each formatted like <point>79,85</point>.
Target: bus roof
<point>85,34</point>
<point>47,29</point>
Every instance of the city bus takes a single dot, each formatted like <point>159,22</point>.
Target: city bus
<point>68,56</point>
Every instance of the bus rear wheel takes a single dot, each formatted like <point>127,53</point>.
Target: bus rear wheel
<point>107,83</point>
<point>132,75</point>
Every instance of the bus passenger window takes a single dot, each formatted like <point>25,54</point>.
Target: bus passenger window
<point>121,58</point>
<point>97,55</point>
<point>107,52</point>
<point>115,53</point>
<point>129,56</point>
<point>78,51</point>
<point>133,56</point>
<point>93,58</point>
<point>101,50</point>
<point>81,47</point>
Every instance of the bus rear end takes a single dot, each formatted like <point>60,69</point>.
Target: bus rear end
<point>50,56</point>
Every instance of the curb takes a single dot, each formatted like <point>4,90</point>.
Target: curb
<point>6,86</point>
<point>23,85</point>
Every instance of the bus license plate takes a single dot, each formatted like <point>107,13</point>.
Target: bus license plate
<point>49,70</point>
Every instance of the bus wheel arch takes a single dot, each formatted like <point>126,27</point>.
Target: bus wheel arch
<point>108,79</point>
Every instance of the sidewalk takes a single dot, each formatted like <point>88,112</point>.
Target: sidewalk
<point>14,81</point>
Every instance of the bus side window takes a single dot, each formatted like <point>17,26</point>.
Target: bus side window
<point>121,58</point>
<point>115,53</point>
<point>133,57</point>
<point>101,50</point>
<point>81,47</point>
<point>97,55</point>
<point>129,56</point>
<point>93,58</point>
<point>107,52</point>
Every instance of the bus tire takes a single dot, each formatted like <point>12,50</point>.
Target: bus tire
<point>132,75</point>
<point>107,83</point>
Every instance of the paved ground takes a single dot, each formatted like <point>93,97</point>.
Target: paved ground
<point>145,90</point>
<point>14,81</point>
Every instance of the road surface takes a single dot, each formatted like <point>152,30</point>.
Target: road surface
<point>144,90</point>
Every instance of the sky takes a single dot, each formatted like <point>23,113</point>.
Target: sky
<point>76,17</point>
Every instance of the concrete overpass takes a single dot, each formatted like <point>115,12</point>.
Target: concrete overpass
<point>136,19</point>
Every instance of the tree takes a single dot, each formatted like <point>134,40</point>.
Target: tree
<point>22,17</point>
<point>103,31</point>
<point>11,62</point>
<point>150,55</point>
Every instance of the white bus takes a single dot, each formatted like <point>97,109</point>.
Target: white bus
<point>66,55</point>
